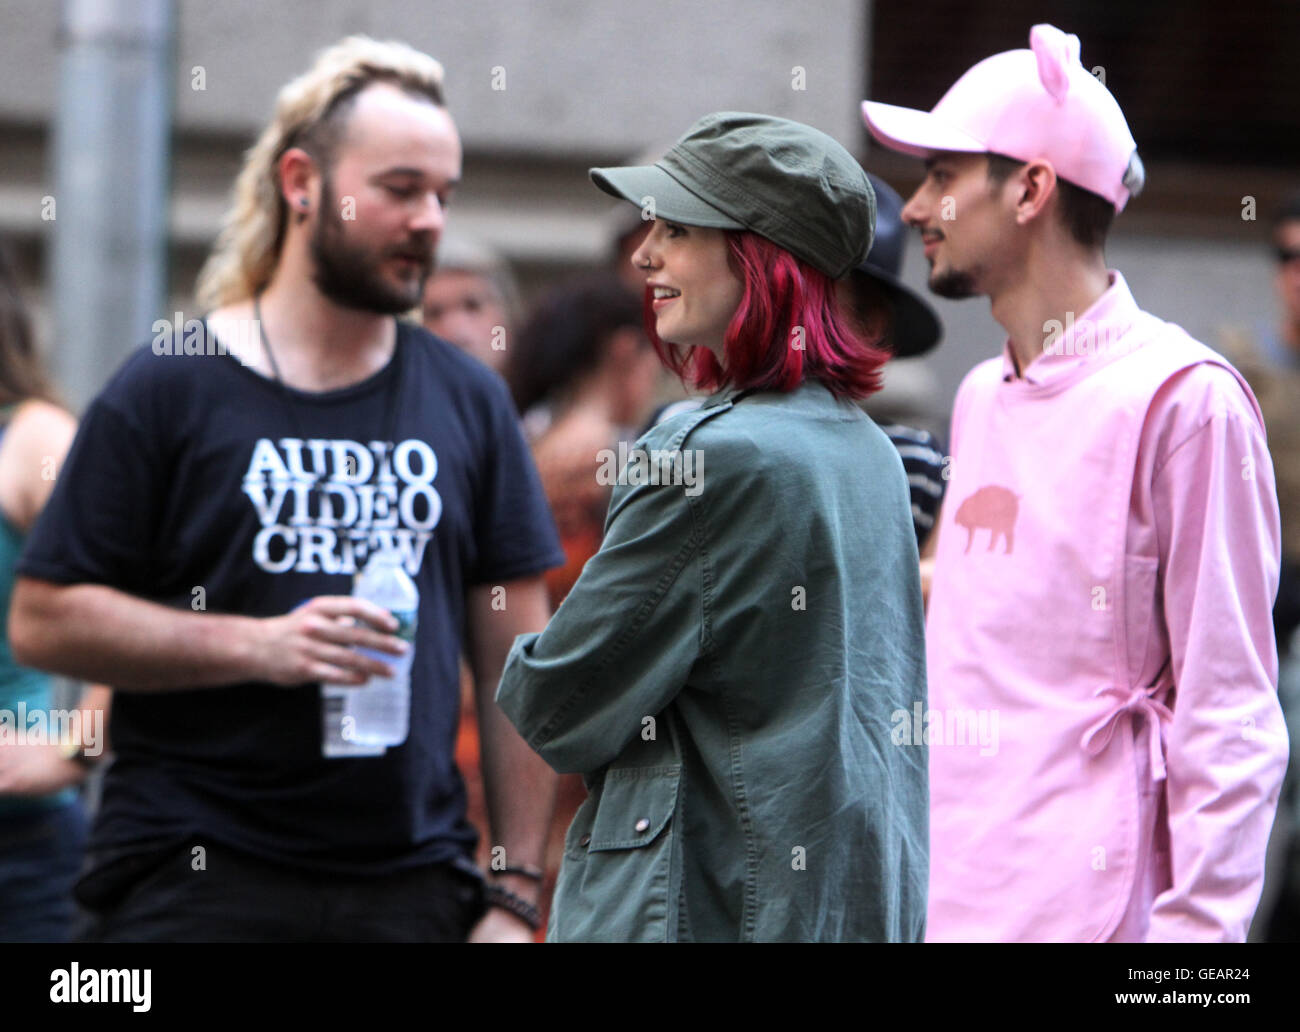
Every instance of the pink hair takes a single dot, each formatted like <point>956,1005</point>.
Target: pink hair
<point>788,327</point>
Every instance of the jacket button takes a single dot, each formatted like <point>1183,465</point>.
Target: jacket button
<point>584,840</point>
<point>642,825</point>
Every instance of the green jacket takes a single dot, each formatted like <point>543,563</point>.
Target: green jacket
<point>726,673</point>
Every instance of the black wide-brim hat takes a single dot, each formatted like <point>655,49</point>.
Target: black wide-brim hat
<point>917,328</point>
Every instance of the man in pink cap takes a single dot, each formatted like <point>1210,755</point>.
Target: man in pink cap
<point>1106,741</point>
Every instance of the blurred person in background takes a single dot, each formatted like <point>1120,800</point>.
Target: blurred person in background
<point>471,300</point>
<point>908,327</point>
<point>584,358</point>
<point>1268,355</point>
<point>1107,553</point>
<point>234,810</point>
<point>584,354</point>
<point>43,759</point>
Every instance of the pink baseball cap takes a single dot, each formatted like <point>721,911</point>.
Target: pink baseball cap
<point>1026,104</point>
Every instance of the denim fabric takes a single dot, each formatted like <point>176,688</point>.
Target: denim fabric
<point>40,854</point>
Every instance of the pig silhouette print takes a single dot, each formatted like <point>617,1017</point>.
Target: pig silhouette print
<point>993,508</point>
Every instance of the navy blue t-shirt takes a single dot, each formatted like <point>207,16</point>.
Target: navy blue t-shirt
<point>198,483</point>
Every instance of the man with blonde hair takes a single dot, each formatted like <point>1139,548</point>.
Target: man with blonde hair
<point>199,550</point>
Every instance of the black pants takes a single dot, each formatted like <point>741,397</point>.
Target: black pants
<point>204,892</point>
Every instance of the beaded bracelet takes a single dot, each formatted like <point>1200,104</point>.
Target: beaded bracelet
<point>497,896</point>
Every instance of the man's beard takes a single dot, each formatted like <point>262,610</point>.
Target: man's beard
<point>349,275</point>
<point>953,284</point>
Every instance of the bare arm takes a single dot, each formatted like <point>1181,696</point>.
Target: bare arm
<point>97,633</point>
<point>35,444</point>
<point>96,702</point>
<point>519,785</point>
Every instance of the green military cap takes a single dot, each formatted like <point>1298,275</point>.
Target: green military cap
<point>781,179</point>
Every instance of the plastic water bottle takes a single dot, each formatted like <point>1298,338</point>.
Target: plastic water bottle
<point>334,744</point>
<point>378,713</point>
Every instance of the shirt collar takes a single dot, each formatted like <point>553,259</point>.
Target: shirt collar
<point>1084,340</point>
<point>720,397</point>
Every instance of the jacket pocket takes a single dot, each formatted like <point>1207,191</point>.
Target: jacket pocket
<point>618,874</point>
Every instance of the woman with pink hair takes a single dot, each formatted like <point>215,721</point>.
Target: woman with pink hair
<point>726,670</point>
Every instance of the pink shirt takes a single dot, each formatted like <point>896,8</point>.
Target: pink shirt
<point>1202,523</point>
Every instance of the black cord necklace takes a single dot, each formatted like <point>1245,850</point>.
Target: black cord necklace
<point>394,391</point>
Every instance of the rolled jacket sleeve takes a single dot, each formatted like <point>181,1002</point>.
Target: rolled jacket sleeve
<point>622,644</point>
<point>1216,508</point>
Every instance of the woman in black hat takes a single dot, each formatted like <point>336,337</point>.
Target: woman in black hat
<point>736,670</point>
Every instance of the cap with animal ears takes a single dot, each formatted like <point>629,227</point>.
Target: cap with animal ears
<point>1033,104</point>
